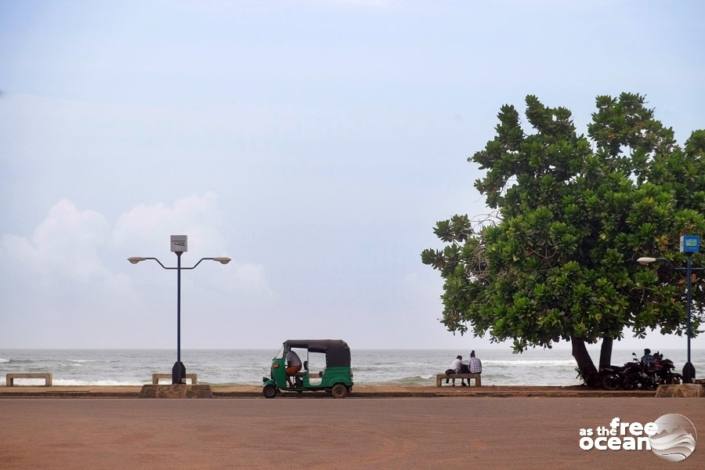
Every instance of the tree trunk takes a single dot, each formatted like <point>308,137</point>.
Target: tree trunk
<point>585,364</point>
<point>606,353</point>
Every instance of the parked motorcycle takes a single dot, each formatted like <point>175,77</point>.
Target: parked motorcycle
<point>663,370</point>
<point>638,376</point>
<point>635,375</point>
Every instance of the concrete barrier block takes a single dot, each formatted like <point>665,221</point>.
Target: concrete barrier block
<point>680,391</point>
<point>176,391</point>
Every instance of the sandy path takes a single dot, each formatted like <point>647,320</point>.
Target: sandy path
<point>473,432</point>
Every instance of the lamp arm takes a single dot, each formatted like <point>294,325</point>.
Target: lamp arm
<point>669,263</point>
<point>199,262</point>
<point>160,263</point>
<point>182,268</point>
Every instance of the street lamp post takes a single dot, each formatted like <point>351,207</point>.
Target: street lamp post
<point>178,372</point>
<point>179,245</point>
<point>688,368</point>
<point>690,244</point>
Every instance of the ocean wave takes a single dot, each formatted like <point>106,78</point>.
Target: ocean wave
<point>393,366</point>
<point>99,382</point>
<point>412,380</point>
<point>69,365</point>
<point>529,363</point>
<point>4,360</point>
<point>489,362</point>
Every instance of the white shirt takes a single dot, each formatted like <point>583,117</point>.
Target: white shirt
<point>475,365</point>
<point>456,365</point>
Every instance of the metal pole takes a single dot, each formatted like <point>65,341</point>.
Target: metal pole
<point>178,307</point>
<point>688,368</point>
<point>178,372</point>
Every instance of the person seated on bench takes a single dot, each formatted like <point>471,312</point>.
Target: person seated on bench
<point>456,368</point>
<point>474,364</point>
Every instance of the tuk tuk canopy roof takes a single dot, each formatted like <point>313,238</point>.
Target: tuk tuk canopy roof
<point>337,351</point>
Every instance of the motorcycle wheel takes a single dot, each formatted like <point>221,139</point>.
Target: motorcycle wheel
<point>629,383</point>
<point>611,382</point>
<point>646,383</point>
<point>675,379</point>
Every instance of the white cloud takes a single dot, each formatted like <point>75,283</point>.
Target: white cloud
<point>144,231</point>
<point>146,227</point>
<point>68,241</point>
<point>69,282</point>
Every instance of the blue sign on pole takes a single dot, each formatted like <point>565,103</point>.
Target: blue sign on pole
<point>690,244</point>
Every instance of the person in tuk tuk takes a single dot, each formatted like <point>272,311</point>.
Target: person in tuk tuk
<point>293,366</point>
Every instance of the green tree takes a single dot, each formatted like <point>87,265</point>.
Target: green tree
<point>574,212</point>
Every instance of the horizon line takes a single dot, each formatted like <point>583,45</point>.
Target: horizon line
<point>270,348</point>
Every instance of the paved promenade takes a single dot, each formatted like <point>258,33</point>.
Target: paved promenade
<point>473,432</point>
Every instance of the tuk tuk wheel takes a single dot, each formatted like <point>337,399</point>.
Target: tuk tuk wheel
<point>269,391</point>
<point>339,391</point>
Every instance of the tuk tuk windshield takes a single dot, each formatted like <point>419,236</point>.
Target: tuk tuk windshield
<point>280,354</point>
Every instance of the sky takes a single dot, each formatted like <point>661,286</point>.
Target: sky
<point>316,142</point>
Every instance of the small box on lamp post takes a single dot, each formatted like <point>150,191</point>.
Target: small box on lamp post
<point>179,243</point>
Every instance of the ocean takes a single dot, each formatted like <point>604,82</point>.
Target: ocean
<point>247,367</point>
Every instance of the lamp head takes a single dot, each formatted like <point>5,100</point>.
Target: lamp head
<point>645,260</point>
<point>135,259</point>
<point>222,259</point>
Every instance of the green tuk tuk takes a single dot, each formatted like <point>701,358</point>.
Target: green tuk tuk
<point>289,374</point>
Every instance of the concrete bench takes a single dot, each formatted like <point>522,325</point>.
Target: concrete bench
<point>156,377</point>
<point>10,378</point>
<point>441,377</point>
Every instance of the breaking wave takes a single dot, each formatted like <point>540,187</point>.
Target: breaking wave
<point>99,382</point>
<point>412,380</point>
<point>529,363</point>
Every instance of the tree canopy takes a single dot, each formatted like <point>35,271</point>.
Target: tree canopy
<point>574,212</point>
